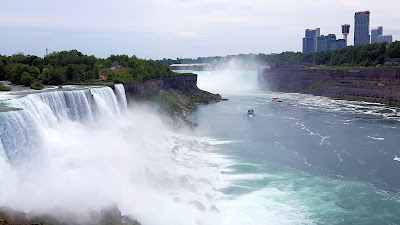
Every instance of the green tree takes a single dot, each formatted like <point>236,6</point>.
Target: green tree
<point>46,74</point>
<point>26,79</point>
<point>16,58</point>
<point>58,76</point>
<point>14,72</point>
<point>34,71</point>
<point>107,63</point>
<point>75,73</point>
<point>393,50</point>
<point>2,71</point>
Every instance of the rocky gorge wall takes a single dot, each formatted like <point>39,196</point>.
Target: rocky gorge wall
<point>175,95</point>
<point>179,83</point>
<point>370,84</point>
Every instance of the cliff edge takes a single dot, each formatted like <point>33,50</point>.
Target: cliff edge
<point>366,84</point>
<point>175,95</point>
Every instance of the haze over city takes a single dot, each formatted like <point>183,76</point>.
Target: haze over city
<point>179,29</point>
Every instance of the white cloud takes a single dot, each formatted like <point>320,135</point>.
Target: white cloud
<point>132,22</point>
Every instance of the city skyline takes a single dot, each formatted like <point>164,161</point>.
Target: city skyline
<point>179,29</point>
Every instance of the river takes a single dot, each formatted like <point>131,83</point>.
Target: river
<point>305,160</point>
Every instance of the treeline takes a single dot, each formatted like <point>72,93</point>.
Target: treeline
<point>73,67</point>
<point>352,56</point>
<point>136,70</point>
<point>54,69</point>
<point>364,56</point>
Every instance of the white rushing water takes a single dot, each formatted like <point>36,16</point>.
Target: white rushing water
<point>121,97</point>
<point>82,149</point>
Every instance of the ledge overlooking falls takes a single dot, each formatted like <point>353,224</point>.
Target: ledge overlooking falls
<point>177,95</point>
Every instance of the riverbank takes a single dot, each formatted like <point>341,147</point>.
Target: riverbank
<point>363,84</point>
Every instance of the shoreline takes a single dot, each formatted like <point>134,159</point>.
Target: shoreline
<point>377,85</point>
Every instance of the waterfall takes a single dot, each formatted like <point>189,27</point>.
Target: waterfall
<point>20,129</point>
<point>71,152</point>
<point>121,97</point>
<point>106,102</point>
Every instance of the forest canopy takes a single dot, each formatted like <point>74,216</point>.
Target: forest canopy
<point>74,67</point>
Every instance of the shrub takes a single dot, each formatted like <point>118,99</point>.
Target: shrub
<point>4,88</point>
<point>37,85</point>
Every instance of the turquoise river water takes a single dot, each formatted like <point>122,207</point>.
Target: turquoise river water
<point>305,160</point>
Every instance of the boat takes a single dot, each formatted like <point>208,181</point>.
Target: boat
<point>276,100</point>
<point>250,112</point>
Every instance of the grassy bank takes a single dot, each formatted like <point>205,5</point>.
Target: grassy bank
<point>4,88</point>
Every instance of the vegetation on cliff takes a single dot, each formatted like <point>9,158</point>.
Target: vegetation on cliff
<point>363,55</point>
<point>173,97</point>
<point>136,70</point>
<point>177,104</point>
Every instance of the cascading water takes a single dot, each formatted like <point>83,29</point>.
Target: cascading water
<point>121,97</point>
<point>81,149</point>
<point>106,102</point>
<point>20,130</point>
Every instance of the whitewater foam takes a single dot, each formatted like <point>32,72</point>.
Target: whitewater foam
<point>80,149</point>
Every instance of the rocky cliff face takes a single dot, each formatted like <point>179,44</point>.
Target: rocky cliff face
<point>178,83</point>
<point>176,96</point>
<point>370,84</point>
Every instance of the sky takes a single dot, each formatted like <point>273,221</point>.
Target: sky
<point>159,29</point>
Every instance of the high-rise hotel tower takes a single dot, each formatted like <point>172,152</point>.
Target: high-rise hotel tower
<point>361,28</point>
<point>310,40</point>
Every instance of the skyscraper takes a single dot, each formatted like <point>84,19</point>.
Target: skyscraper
<point>361,28</point>
<point>310,40</point>
<point>375,33</point>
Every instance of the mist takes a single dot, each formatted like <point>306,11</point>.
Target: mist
<point>229,78</point>
<point>133,160</point>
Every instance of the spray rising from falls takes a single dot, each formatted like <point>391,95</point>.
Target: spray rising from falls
<point>228,81</point>
<point>82,149</point>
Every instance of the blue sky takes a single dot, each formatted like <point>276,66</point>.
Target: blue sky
<point>179,28</point>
